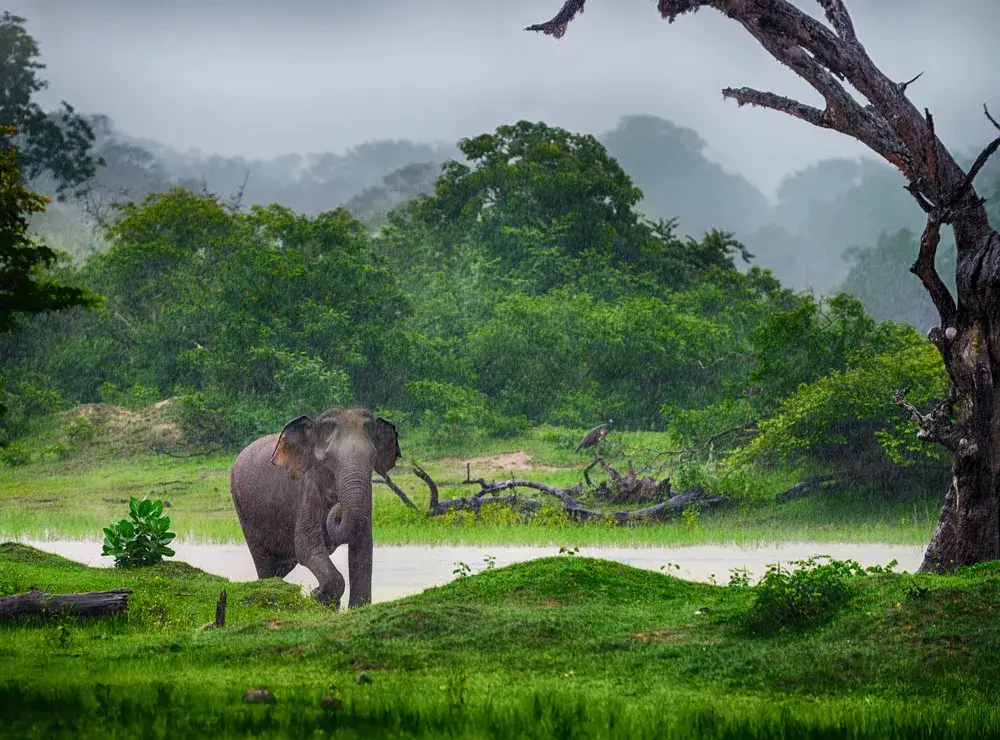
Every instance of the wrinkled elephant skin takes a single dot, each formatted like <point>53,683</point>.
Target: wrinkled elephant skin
<point>304,492</point>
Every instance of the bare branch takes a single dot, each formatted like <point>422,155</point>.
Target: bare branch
<point>935,426</point>
<point>840,19</point>
<point>487,495</point>
<point>924,268</point>
<point>557,26</point>
<point>981,160</point>
<point>904,85</point>
<point>431,485</point>
<point>398,491</point>
<point>990,118</point>
<point>762,99</point>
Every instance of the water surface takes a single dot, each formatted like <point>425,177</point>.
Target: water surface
<point>406,570</point>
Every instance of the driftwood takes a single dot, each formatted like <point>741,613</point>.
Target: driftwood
<point>93,604</point>
<point>488,494</point>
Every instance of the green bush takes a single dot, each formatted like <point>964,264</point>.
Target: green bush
<point>141,541</point>
<point>789,599</point>
<point>845,423</point>
<point>14,455</point>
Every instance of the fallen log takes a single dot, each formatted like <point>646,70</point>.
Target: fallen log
<point>817,484</point>
<point>489,490</point>
<point>92,604</point>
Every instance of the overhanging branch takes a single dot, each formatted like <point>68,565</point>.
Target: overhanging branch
<point>763,99</point>
<point>556,27</point>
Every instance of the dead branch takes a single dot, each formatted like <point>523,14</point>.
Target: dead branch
<point>890,125</point>
<point>904,85</point>
<point>935,426</point>
<point>489,490</point>
<point>92,604</point>
<point>399,492</point>
<point>630,487</point>
<point>557,26</point>
<point>981,160</point>
<point>924,266</point>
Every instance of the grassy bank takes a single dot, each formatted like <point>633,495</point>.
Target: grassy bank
<point>74,499</point>
<point>562,647</point>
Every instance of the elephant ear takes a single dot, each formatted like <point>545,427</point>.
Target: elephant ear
<point>292,452</point>
<point>386,441</point>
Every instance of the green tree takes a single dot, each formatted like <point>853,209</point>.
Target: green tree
<point>54,143</point>
<point>24,286</point>
<point>537,194</point>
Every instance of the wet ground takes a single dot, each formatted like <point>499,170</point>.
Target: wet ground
<point>402,571</point>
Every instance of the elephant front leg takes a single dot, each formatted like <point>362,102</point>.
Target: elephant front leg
<point>359,565</point>
<point>359,553</point>
<point>311,542</point>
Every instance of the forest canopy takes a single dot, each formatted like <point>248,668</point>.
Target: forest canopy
<point>525,289</point>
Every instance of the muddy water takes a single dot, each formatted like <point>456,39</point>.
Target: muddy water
<point>402,571</point>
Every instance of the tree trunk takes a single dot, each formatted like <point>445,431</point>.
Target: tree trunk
<point>94,604</point>
<point>828,55</point>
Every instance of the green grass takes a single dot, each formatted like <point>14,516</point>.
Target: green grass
<point>563,647</point>
<point>75,498</point>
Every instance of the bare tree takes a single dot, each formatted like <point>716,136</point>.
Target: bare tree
<point>828,55</point>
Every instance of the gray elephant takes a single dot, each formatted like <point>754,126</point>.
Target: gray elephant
<point>302,493</point>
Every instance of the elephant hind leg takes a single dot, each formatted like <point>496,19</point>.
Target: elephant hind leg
<point>271,566</point>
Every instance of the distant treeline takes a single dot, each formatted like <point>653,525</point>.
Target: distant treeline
<point>526,289</point>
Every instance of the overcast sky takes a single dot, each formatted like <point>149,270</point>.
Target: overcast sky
<point>264,78</point>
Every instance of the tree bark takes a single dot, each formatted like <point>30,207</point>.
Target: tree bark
<point>828,55</point>
<point>94,604</point>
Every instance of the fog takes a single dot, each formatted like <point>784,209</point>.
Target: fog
<point>263,79</point>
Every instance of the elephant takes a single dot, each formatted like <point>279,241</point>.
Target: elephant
<point>302,493</point>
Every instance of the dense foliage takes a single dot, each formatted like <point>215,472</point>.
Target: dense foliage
<point>526,289</point>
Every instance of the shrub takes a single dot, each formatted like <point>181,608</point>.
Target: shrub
<point>789,599</point>
<point>14,455</point>
<point>141,541</point>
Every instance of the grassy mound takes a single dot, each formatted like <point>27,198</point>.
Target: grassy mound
<point>560,647</point>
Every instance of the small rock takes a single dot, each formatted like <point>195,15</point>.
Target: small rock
<point>363,678</point>
<point>331,702</point>
<point>259,696</point>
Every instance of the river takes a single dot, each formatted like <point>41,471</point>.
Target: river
<point>402,571</point>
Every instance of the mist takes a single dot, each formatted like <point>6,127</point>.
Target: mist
<point>261,79</point>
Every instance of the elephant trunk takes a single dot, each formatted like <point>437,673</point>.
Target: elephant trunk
<point>354,492</point>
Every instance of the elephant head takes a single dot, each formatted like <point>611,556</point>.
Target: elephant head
<point>338,440</point>
<point>341,447</point>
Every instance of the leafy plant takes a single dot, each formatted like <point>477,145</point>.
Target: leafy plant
<point>788,599</point>
<point>141,541</point>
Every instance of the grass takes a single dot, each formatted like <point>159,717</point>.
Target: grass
<point>563,647</point>
<point>75,498</point>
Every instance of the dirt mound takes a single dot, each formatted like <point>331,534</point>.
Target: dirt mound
<point>128,430</point>
<point>518,460</point>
